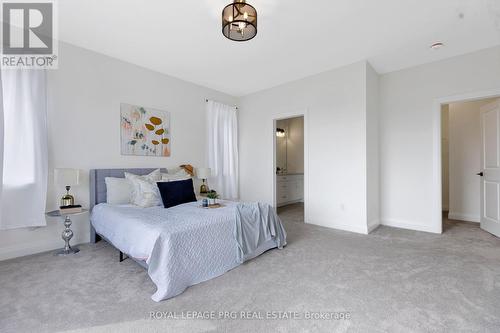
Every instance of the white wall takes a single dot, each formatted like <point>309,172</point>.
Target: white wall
<point>335,127</point>
<point>465,160</point>
<point>372,148</point>
<point>445,157</point>
<point>407,132</point>
<point>295,145</point>
<point>84,130</point>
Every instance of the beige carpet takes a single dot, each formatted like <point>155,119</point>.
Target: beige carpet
<point>390,281</point>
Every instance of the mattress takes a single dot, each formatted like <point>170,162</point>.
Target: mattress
<point>182,245</point>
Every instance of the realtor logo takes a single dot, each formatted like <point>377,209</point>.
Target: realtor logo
<point>28,34</point>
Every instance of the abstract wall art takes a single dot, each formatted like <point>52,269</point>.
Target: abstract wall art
<point>144,131</point>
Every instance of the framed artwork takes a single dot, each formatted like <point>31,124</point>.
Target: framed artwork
<point>144,131</point>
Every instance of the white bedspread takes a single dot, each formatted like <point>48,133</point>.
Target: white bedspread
<point>182,245</point>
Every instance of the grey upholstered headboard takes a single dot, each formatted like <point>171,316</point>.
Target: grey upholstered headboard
<point>98,187</point>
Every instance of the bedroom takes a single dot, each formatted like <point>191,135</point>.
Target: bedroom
<point>371,202</point>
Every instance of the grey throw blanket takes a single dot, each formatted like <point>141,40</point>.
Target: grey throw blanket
<point>257,223</point>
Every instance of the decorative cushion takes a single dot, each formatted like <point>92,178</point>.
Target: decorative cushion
<point>118,190</point>
<point>180,174</point>
<point>176,192</point>
<point>145,192</point>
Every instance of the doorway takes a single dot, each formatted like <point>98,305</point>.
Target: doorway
<point>289,165</point>
<point>470,158</point>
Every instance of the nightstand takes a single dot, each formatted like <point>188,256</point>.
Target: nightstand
<point>67,233</point>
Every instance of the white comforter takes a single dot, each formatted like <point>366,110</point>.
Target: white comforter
<point>182,245</point>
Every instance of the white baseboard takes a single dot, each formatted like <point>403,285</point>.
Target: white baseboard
<point>289,202</point>
<point>373,224</point>
<point>464,217</point>
<point>344,227</point>
<point>25,249</point>
<point>408,225</point>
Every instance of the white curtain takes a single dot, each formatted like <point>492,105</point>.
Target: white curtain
<point>23,148</point>
<point>222,148</point>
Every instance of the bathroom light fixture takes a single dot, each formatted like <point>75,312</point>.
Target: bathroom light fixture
<point>239,21</point>
<point>280,133</point>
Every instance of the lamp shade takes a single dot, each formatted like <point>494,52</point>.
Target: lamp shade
<point>67,177</point>
<point>203,173</point>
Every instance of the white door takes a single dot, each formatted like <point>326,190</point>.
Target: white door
<point>490,164</point>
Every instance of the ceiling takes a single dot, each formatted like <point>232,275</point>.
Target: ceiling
<point>295,38</point>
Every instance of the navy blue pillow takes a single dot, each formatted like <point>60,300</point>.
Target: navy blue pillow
<point>176,192</point>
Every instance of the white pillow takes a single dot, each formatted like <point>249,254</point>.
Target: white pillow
<point>118,190</point>
<point>149,193</point>
<point>178,175</point>
<point>145,192</point>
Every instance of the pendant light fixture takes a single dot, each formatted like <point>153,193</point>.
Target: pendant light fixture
<point>239,21</point>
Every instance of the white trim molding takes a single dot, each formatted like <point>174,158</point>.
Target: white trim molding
<point>436,169</point>
<point>342,227</point>
<point>373,224</point>
<point>21,250</point>
<point>302,112</point>
<point>464,217</point>
<point>411,226</point>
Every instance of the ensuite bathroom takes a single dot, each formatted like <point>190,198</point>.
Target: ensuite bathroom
<point>289,152</point>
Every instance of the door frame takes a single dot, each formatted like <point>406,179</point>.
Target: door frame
<point>436,169</point>
<point>281,116</point>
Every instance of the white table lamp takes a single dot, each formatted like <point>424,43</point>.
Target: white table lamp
<point>203,174</point>
<point>68,178</point>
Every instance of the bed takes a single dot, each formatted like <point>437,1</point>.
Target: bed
<point>186,244</point>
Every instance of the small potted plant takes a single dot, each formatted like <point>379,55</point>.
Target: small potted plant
<point>212,197</point>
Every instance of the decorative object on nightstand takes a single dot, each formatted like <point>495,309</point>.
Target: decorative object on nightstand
<point>73,209</point>
<point>212,197</point>
<point>211,200</point>
<point>68,178</point>
<point>188,168</point>
<point>203,174</point>
<point>67,233</point>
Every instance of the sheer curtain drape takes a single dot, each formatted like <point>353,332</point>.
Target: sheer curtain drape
<point>23,148</point>
<point>222,148</point>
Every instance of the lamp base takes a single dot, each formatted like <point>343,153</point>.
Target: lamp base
<point>203,188</point>
<point>67,199</point>
<point>65,252</point>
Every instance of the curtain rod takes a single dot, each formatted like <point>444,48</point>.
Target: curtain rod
<point>206,100</point>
